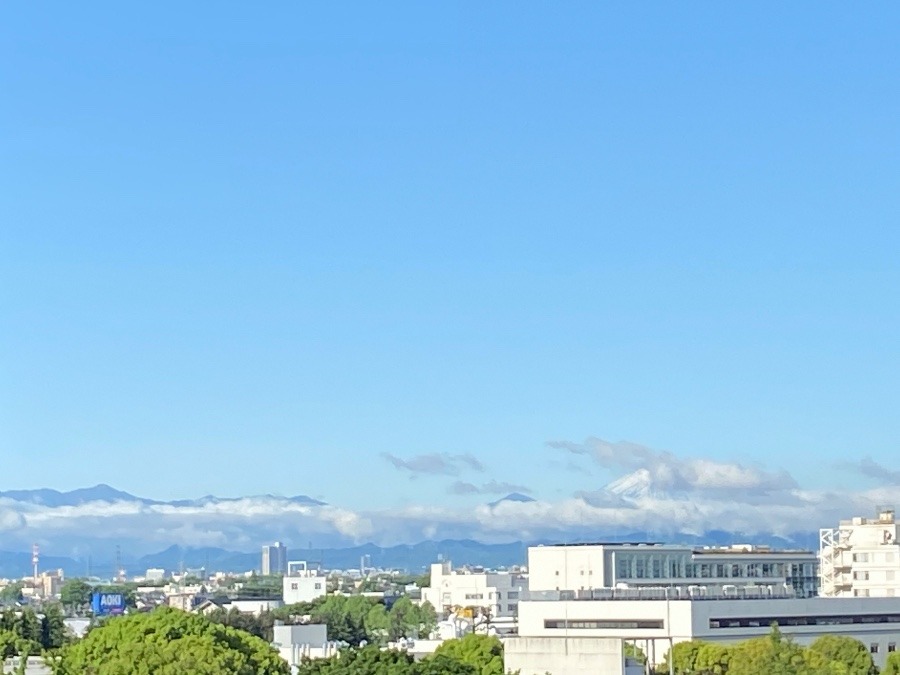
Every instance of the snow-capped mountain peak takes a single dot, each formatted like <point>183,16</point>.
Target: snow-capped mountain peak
<point>636,485</point>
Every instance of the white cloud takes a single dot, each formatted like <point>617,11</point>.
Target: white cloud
<point>664,495</point>
<point>668,472</point>
<point>440,463</point>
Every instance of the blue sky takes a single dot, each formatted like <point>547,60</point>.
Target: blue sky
<point>250,249</point>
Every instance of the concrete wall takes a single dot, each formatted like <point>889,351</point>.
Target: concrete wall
<point>565,656</point>
<point>565,567</point>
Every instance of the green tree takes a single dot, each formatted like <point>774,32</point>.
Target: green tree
<point>713,659</point>
<point>75,593</point>
<point>684,658</point>
<point>410,620</point>
<point>373,660</point>
<point>773,654</point>
<point>260,626</point>
<point>366,661</point>
<point>53,628</point>
<point>427,619</point>
<point>404,619</point>
<point>168,642</point>
<point>631,650</point>
<point>483,652</point>
<point>441,664</point>
<point>840,654</point>
<point>7,644</point>
<point>11,593</point>
<point>892,665</point>
<point>378,624</point>
<point>345,617</point>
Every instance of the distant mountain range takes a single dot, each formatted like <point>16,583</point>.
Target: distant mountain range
<point>105,493</point>
<point>412,558</point>
<point>84,530</point>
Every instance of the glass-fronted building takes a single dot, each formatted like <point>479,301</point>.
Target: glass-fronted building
<point>581,567</point>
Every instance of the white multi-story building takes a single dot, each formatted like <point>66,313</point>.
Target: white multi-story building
<point>647,595</point>
<point>579,567</point>
<point>861,557</point>
<point>274,559</point>
<point>302,583</point>
<point>494,594</point>
<point>155,574</point>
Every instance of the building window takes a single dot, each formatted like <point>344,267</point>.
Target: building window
<point>873,648</point>
<point>318,587</point>
<point>293,587</point>
<point>822,620</point>
<point>861,557</point>
<point>892,646</point>
<point>595,624</point>
<point>510,608</point>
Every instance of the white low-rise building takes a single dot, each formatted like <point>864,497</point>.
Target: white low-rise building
<point>306,641</point>
<point>494,595</point>
<point>302,584</point>
<point>654,624</point>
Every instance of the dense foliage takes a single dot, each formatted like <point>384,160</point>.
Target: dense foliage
<point>168,642</point>
<point>375,661</point>
<point>24,631</point>
<point>351,619</point>
<point>75,593</point>
<point>482,652</point>
<point>892,666</point>
<point>470,655</point>
<point>773,655</point>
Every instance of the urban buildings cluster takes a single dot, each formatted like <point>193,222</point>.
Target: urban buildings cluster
<point>576,606</point>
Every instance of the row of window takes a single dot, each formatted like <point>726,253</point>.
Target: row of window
<point>682,566</point>
<point>825,620</point>
<point>888,575</point>
<point>866,557</point>
<point>864,592</point>
<point>594,624</point>
<point>512,595</point>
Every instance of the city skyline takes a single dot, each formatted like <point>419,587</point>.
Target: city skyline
<point>408,260</point>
